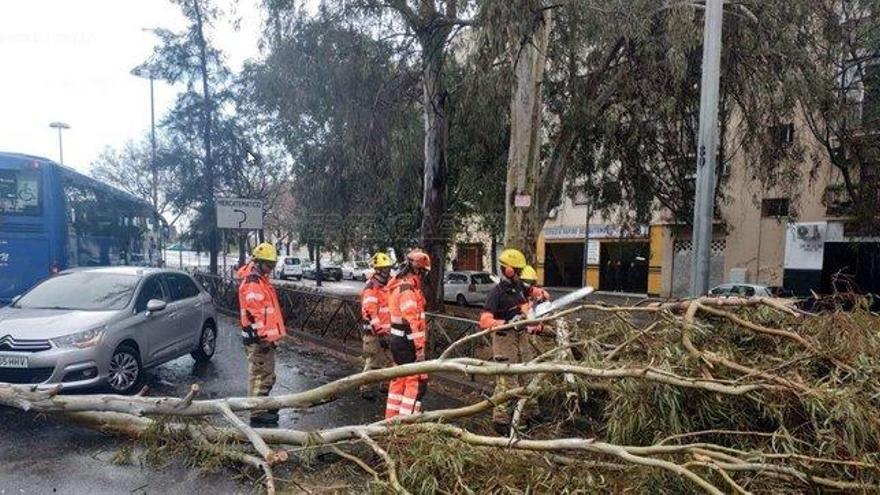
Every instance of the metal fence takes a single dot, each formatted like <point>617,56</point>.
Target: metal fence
<point>339,317</point>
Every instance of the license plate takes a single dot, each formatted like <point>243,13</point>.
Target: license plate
<point>13,362</point>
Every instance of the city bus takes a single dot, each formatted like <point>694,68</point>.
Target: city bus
<point>53,218</point>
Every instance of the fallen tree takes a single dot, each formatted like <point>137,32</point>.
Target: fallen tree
<point>715,395</point>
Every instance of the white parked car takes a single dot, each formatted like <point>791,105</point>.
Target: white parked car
<point>741,290</point>
<point>289,267</point>
<point>467,287</point>
<point>355,270</point>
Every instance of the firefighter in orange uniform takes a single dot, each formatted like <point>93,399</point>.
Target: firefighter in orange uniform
<point>409,335</point>
<point>262,327</point>
<point>377,318</point>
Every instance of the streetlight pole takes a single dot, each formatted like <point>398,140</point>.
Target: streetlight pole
<point>154,167</point>
<point>704,203</point>
<point>60,126</point>
<point>154,189</point>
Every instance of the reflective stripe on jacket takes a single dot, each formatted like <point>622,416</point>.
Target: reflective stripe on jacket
<point>407,304</point>
<point>259,305</point>
<point>374,307</point>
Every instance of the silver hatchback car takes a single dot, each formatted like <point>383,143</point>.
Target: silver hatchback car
<point>97,326</point>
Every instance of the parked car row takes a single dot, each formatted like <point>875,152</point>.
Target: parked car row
<point>292,267</point>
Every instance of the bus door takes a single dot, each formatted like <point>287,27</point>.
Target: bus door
<point>24,243</point>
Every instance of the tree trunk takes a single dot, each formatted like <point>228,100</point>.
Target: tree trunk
<point>206,137</point>
<point>494,254</point>
<point>522,224</point>
<point>432,235</point>
<point>318,275</point>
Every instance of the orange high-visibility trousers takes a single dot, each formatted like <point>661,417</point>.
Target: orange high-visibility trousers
<point>405,393</point>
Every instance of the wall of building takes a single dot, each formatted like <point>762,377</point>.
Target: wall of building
<point>472,234</point>
<point>755,244</point>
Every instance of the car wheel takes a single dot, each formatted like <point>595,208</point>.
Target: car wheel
<point>461,300</point>
<point>124,372</point>
<point>207,344</point>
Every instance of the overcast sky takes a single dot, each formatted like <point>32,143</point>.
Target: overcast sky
<point>70,61</point>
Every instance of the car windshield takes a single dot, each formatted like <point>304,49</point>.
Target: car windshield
<point>87,291</point>
<point>362,264</point>
<point>482,278</point>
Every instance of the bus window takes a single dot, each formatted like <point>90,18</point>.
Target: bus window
<point>20,192</point>
<point>104,227</point>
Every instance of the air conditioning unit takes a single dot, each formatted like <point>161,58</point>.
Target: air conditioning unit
<point>808,233</point>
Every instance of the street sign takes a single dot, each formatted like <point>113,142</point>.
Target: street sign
<point>239,213</point>
<point>522,201</point>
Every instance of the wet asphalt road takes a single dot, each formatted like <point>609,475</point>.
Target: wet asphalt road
<point>39,456</point>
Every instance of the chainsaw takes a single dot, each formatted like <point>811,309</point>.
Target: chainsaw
<point>545,308</point>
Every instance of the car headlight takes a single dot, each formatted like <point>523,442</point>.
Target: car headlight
<point>80,340</point>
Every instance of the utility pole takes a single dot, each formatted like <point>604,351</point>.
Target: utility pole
<point>704,204</point>
<point>154,192</point>
<point>60,126</point>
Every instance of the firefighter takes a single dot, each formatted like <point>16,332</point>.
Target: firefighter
<point>535,293</point>
<point>377,317</point>
<point>409,335</point>
<point>262,327</point>
<point>506,302</point>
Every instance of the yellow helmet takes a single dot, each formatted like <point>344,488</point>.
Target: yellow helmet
<point>266,252</point>
<point>513,258</point>
<point>381,260</point>
<point>529,275</point>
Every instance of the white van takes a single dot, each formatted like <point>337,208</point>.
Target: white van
<point>289,267</point>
